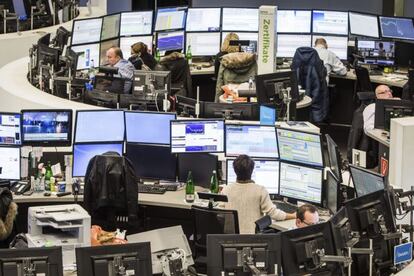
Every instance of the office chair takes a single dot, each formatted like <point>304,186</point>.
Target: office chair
<point>408,89</point>
<point>363,81</point>
<point>263,225</point>
<point>211,221</point>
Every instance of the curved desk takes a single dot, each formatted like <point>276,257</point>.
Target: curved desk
<point>388,79</point>
<point>305,102</point>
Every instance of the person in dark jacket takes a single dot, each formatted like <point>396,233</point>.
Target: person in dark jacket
<point>8,213</point>
<point>311,74</point>
<point>224,50</point>
<point>140,56</point>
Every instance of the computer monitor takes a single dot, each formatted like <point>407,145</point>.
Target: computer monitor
<point>301,247</point>
<point>151,82</point>
<point>44,39</point>
<point>366,181</point>
<point>48,56</point>
<point>152,161</point>
<point>253,140</point>
<point>203,19</point>
<point>404,53</point>
<point>136,23</point>
<point>185,106</point>
<point>342,232</point>
<point>105,46</point>
<point>10,131</point>
<point>334,155</point>
<point>191,136</point>
<point>110,26</point>
<point>101,98</point>
<point>51,127</point>
<point>201,166</point>
<point>240,19</point>
<point>231,253</point>
<point>337,44</point>
<point>83,153</point>
<point>288,43</point>
<point>253,37</point>
<point>363,24</point>
<point>88,55</point>
<point>61,38</point>
<point>330,22</point>
<point>235,111</point>
<point>331,199</point>
<point>265,173</point>
<point>382,104</point>
<point>294,21</point>
<point>10,163</point>
<point>299,146</point>
<point>86,30</point>
<point>19,8</point>
<point>376,51</point>
<point>301,183</point>
<point>167,41</point>
<point>111,259</point>
<point>99,126</point>
<point>203,44</point>
<point>108,84</point>
<point>371,214</point>
<point>271,88</point>
<point>393,111</point>
<point>148,127</point>
<point>170,18</point>
<point>46,261</point>
<point>397,27</point>
<point>125,44</point>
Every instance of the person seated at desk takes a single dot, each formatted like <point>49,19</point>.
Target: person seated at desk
<point>125,68</point>
<point>330,60</point>
<point>140,58</point>
<point>306,215</point>
<point>224,50</point>
<point>381,92</point>
<point>250,199</point>
<point>235,68</point>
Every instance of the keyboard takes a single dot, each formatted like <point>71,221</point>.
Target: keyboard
<point>170,187</point>
<point>286,207</point>
<point>151,189</point>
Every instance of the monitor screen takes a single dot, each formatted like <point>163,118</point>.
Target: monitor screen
<point>148,127</point>
<point>201,166</point>
<point>47,127</point>
<point>363,24</point>
<point>337,44</point>
<point>83,153</point>
<point>19,8</point>
<point>152,161</point>
<point>332,192</point>
<point>125,44</point>
<point>88,55</point>
<point>240,19</point>
<point>288,43</point>
<point>203,44</point>
<point>330,22</point>
<point>365,181</point>
<point>404,54</point>
<point>253,140</point>
<point>86,31</point>
<point>265,173</point>
<point>376,51</point>
<point>397,27</point>
<point>203,19</point>
<point>105,46</point>
<point>170,18</point>
<point>99,126</point>
<point>301,147</point>
<point>10,163</point>
<point>10,129</point>
<point>170,41</point>
<point>335,161</point>
<point>110,26</point>
<point>271,89</point>
<point>136,23</point>
<point>189,136</point>
<point>294,21</point>
<point>301,183</point>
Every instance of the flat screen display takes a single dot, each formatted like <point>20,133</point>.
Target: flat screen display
<point>330,22</point>
<point>397,27</point>
<point>203,44</point>
<point>136,23</point>
<point>170,18</point>
<point>10,163</point>
<point>110,26</point>
<point>363,24</point>
<point>86,31</point>
<point>294,21</point>
<point>240,19</point>
<point>10,131</point>
<point>203,19</point>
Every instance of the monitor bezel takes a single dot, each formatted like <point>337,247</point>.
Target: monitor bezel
<point>363,13</point>
<point>20,127</point>
<point>354,167</point>
<point>66,143</point>
<point>20,161</point>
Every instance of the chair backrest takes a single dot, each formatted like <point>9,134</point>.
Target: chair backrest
<point>212,221</point>
<point>363,83</point>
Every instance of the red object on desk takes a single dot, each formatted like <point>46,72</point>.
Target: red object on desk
<point>384,166</point>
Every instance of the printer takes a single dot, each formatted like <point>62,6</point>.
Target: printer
<point>66,225</point>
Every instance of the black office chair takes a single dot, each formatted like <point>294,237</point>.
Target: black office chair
<point>408,89</point>
<point>211,221</point>
<point>263,225</point>
<point>363,81</point>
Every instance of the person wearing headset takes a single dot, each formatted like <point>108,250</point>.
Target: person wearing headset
<point>141,58</point>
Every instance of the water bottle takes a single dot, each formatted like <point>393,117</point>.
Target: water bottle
<point>189,188</point>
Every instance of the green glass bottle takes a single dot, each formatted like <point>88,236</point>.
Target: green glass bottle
<point>214,187</point>
<point>189,55</point>
<point>157,55</point>
<point>48,175</point>
<point>189,188</point>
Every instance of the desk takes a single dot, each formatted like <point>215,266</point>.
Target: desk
<point>379,135</point>
<point>388,79</point>
<point>305,102</point>
<point>204,70</point>
<point>407,271</point>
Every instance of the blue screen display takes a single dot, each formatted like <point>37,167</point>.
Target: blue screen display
<point>394,27</point>
<point>170,41</point>
<point>40,126</point>
<point>83,153</point>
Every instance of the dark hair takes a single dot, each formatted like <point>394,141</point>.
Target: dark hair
<point>243,167</point>
<point>300,212</point>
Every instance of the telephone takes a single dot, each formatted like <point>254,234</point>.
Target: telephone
<point>20,187</point>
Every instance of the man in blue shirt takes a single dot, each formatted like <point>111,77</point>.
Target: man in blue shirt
<point>125,68</point>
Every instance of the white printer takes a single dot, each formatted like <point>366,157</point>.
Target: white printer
<point>66,225</point>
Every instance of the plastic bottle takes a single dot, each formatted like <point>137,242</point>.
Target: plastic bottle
<point>189,188</point>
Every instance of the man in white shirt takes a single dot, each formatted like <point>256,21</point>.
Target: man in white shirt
<point>381,92</point>
<point>250,200</point>
<point>330,60</point>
